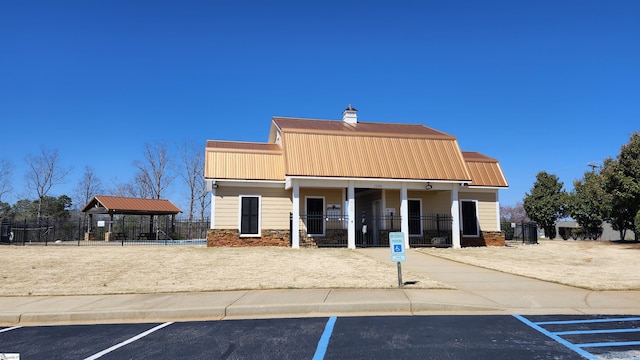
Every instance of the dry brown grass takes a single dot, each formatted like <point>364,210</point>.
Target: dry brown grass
<point>68,270</point>
<point>595,265</point>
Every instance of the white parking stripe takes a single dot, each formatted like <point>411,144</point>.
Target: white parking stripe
<point>137,337</point>
<point>9,329</point>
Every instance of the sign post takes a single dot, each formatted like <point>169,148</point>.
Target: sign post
<point>398,254</point>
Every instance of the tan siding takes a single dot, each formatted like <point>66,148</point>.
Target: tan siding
<point>439,202</point>
<point>332,196</point>
<point>276,206</point>
<point>433,202</point>
<point>226,215</point>
<point>251,166</point>
<point>486,209</point>
<point>393,200</point>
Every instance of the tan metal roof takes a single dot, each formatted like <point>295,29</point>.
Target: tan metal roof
<point>334,148</point>
<point>326,155</point>
<point>243,161</point>
<point>102,204</point>
<point>337,127</point>
<point>485,171</point>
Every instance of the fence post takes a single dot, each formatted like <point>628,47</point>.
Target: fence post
<point>46,233</point>
<point>54,230</point>
<point>290,229</point>
<point>24,232</point>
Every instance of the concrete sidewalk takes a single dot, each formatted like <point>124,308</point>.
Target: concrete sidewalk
<point>477,290</point>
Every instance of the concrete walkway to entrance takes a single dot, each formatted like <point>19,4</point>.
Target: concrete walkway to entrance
<point>477,290</point>
<point>479,287</point>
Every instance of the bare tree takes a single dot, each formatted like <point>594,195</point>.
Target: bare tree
<point>192,173</point>
<point>204,200</point>
<point>130,189</point>
<point>154,175</point>
<point>89,186</point>
<point>44,173</point>
<point>514,213</point>
<point>6,172</point>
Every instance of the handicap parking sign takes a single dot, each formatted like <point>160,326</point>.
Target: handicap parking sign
<point>396,243</point>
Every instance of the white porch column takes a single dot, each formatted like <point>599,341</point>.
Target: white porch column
<point>455,214</point>
<point>351,213</point>
<point>213,209</point>
<point>295,220</point>
<point>498,227</point>
<point>404,214</point>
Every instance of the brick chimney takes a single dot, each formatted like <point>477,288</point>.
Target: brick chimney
<point>350,115</point>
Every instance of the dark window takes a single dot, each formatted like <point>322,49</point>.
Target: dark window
<point>415,227</point>
<point>315,216</point>
<point>249,216</point>
<point>469,218</point>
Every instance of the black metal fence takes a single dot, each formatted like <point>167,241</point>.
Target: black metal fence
<point>331,231</point>
<point>430,230</point>
<point>323,231</point>
<point>527,232</point>
<point>124,230</point>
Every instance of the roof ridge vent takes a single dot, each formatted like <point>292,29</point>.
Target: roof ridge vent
<point>350,115</point>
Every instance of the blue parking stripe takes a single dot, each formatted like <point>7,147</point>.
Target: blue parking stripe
<point>604,331</point>
<point>610,344</point>
<point>323,344</point>
<point>568,322</point>
<point>557,338</point>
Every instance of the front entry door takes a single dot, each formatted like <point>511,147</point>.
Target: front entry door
<point>315,216</point>
<point>415,212</point>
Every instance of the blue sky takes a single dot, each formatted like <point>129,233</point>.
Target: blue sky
<point>539,85</point>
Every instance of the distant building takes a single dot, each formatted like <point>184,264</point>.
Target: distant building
<point>571,230</point>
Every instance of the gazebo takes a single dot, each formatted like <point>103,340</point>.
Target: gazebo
<point>119,205</point>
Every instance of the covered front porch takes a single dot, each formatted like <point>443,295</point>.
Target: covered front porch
<point>356,213</point>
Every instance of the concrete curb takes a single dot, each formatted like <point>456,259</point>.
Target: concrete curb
<point>234,312</point>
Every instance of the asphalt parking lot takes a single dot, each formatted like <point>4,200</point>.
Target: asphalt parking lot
<point>370,337</point>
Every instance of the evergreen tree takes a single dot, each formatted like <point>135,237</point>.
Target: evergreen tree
<point>547,202</point>
<point>621,179</point>
<point>588,203</point>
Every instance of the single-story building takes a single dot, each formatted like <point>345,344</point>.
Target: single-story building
<point>349,183</point>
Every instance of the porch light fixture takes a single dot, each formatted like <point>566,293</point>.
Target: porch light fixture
<point>464,184</point>
<point>429,186</point>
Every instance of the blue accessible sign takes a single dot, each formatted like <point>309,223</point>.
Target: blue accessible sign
<point>396,243</point>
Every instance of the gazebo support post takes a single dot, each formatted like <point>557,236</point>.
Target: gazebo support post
<point>151,227</point>
<point>109,233</point>
<point>89,234</point>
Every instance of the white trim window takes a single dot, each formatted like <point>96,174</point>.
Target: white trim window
<point>469,218</point>
<point>249,219</point>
